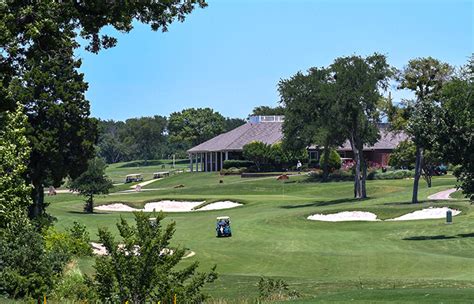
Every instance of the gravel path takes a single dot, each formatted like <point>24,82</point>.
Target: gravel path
<point>442,195</point>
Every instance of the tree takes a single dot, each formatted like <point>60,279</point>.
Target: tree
<point>39,68</point>
<point>425,77</point>
<point>357,84</point>
<point>258,152</point>
<point>268,111</point>
<point>455,136</point>
<point>194,126</point>
<point>232,123</point>
<point>14,153</point>
<point>92,182</point>
<point>309,104</point>
<point>333,162</point>
<point>146,136</point>
<point>279,155</point>
<point>143,269</point>
<point>111,146</point>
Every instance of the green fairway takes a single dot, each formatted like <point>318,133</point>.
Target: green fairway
<point>422,261</point>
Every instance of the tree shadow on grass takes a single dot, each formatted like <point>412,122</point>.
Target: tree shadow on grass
<point>85,213</point>
<point>324,203</point>
<point>438,237</point>
<point>420,202</point>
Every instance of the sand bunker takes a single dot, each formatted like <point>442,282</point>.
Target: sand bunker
<point>219,205</point>
<point>344,216</point>
<point>428,213</point>
<point>99,249</point>
<point>170,206</point>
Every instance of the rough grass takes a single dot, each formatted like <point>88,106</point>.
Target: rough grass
<point>424,261</point>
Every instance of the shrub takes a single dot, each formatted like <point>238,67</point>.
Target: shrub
<point>396,174</point>
<point>233,171</point>
<point>73,241</point>
<point>237,163</point>
<point>74,286</point>
<point>334,160</point>
<point>341,174</point>
<point>275,290</point>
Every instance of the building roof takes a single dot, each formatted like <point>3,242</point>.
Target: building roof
<point>236,139</point>
<point>270,132</point>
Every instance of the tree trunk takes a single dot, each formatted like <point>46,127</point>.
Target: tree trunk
<point>418,163</point>
<point>357,184</point>
<point>89,206</point>
<point>326,164</point>
<point>37,208</point>
<point>363,190</point>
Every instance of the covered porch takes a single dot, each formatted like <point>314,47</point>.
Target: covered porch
<point>207,161</point>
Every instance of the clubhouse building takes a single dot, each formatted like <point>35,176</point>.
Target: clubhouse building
<point>211,154</point>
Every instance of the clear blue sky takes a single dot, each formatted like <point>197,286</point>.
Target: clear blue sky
<point>231,55</point>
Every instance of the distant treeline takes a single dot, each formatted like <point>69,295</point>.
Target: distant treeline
<point>159,137</point>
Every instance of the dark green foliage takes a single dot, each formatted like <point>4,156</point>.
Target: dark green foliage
<point>27,268</point>
<point>455,138</point>
<point>142,270</point>
<point>92,182</point>
<point>257,152</point>
<point>268,111</point>
<point>194,126</point>
<point>403,156</point>
<point>281,155</point>
<point>395,174</point>
<point>334,161</point>
<point>275,290</point>
<point>237,163</point>
<point>425,77</point>
<point>232,123</point>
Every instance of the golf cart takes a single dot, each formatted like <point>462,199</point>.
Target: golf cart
<point>223,226</point>
<point>133,178</point>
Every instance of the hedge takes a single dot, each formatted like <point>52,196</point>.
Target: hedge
<point>234,163</point>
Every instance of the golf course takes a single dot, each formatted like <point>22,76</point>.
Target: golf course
<point>417,261</point>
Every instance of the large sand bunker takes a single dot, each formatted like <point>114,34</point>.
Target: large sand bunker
<point>428,213</point>
<point>344,216</point>
<point>170,206</point>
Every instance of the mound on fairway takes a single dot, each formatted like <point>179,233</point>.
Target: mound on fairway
<point>170,206</point>
<point>344,216</point>
<point>428,213</point>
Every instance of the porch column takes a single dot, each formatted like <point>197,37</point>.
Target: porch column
<point>205,162</point>
<point>191,162</point>
<point>215,162</point>
<point>202,165</point>
<point>210,161</point>
<point>222,160</point>
<point>226,155</point>
<point>197,162</point>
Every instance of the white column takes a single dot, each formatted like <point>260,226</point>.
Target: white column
<point>215,162</point>
<point>226,155</point>
<point>191,162</point>
<point>202,165</point>
<point>205,161</point>
<point>197,162</point>
<point>222,160</point>
<point>210,161</point>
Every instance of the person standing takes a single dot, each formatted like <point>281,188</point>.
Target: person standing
<point>298,167</point>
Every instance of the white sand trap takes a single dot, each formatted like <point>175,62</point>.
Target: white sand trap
<point>99,249</point>
<point>344,216</point>
<point>170,206</point>
<point>428,213</point>
<point>219,205</point>
<point>115,207</point>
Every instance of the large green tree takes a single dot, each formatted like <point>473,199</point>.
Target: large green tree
<point>39,69</point>
<point>455,130</point>
<point>358,83</point>
<point>425,77</point>
<point>194,126</point>
<point>268,111</point>
<point>309,103</point>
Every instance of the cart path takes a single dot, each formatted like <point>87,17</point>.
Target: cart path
<point>442,195</point>
<point>143,184</point>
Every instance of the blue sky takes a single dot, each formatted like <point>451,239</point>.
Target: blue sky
<point>231,55</point>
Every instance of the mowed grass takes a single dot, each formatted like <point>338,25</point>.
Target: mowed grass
<point>424,261</point>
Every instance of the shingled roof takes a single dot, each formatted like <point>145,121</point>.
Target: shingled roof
<point>236,139</point>
<point>271,132</point>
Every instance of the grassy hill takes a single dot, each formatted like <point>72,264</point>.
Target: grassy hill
<point>423,261</point>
